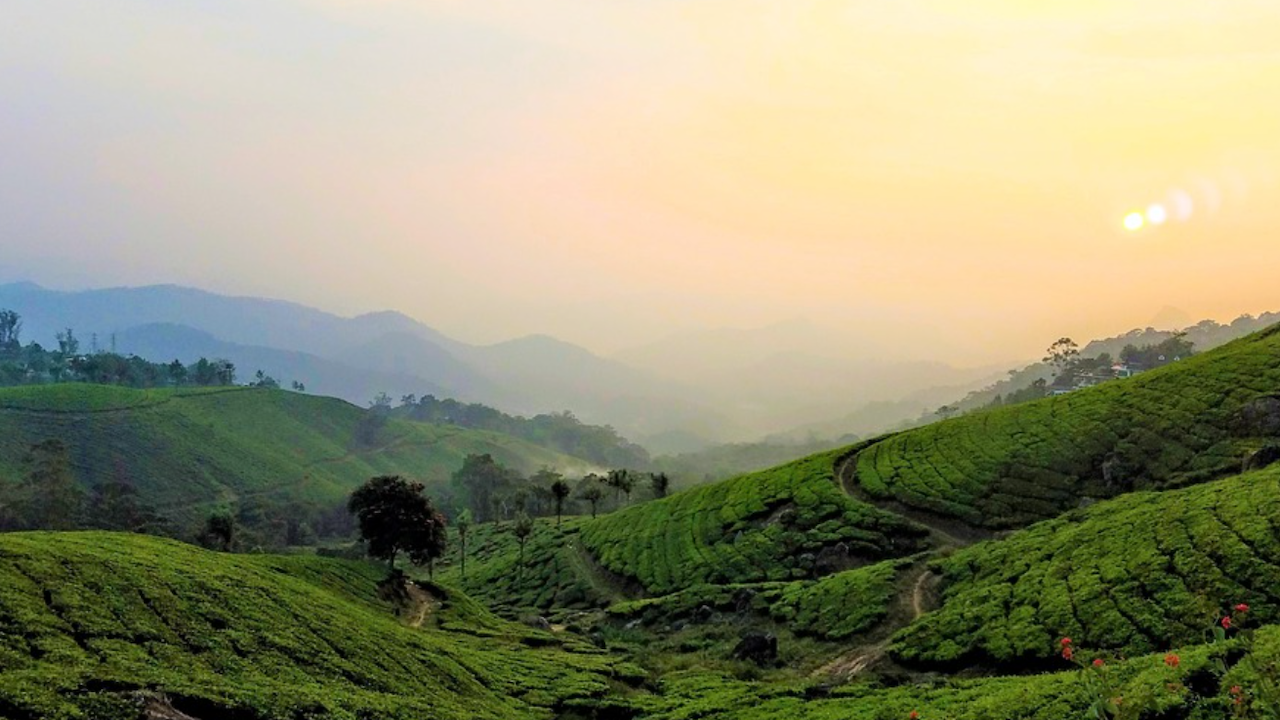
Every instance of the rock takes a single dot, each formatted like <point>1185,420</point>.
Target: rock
<point>538,622</point>
<point>633,624</point>
<point>1259,418</point>
<point>760,648</point>
<point>597,639</point>
<point>742,599</point>
<point>678,625</point>
<point>703,614</point>
<point>1268,455</point>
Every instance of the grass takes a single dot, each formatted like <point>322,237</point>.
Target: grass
<point>772,525</point>
<point>1008,467</point>
<point>90,622</point>
<point>190,450</point>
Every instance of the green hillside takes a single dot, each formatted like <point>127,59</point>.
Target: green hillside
<point>1183,423</point>
<point>1139,573</point>
<point>185,450</point>
<point>770,525</point>
<point>91,624</point>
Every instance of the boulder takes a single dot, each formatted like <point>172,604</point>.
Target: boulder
<point>757,647</point>
<point>1268,455</point>
<point>1259,417</point>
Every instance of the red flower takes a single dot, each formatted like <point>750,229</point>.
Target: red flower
<point>1242,608</point>
<point>1097,662</point>
<point>1067,654</point>
<point>1172,660</point>
<point>1226,622</point>
<point>1238,693</point>
<point>914,715</point>
<point>1066,641</point>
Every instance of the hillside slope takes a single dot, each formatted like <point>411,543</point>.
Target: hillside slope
<point>1140,573</point>
<point>185,450</point>
<point>99,624</point>
<point>1183,423</point>
<point>788,523</point>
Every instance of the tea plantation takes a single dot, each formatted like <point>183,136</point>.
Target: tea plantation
<point>187,450</point>
<point>97,624</point>
<point>1139,573</point>
<point>778,524</point>
<point>1183,423</point>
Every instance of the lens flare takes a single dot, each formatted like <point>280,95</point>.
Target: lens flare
<point>1156,214</point>
<point>1134,221</point>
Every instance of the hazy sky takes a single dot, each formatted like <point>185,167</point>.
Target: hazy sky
<point>941,174</point>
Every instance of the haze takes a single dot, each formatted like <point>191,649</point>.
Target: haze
<point>923,179</point>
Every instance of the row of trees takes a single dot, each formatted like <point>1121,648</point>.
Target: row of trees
<point>33,364</point>
<point>491,491</point>
<point>562,432</point>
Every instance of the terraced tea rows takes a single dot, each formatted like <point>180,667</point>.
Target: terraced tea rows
<point>1139,573</point>
<point>835,607</point>
<point>1148,687</point>
<point>93,623</point>
<point>1007,467</point>
<point>788,523</point>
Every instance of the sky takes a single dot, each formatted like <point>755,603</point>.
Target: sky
<point>925,178</point>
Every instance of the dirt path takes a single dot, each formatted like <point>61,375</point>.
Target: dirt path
<point>850,664</point>
<point>422,605</point>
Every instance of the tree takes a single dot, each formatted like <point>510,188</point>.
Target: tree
<point>622,482</point>
<point>10,331</point>
<point>463,524</point>
<point>298,387</point>
<point>263,380</point>
<point>1062,354</point>
<point>560,490</point>
<point>947,411</point>
<point>177,373</point>
<point>68,344</point>
<point>219,532</point>
<point>224,372</point>
<point>51,499</point>
<point>394,517</point>
<point>592,493</point>
<point>660,484</point>
<point>522,528</point>
<point>479,483</point>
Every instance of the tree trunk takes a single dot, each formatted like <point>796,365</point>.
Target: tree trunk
<point>391,564</point>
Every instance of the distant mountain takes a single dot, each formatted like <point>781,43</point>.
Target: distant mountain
<point>161,342</point>
<point>349,357</point>
<point>788,374</point>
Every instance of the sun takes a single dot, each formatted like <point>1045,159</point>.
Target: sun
<point>1134,221</point>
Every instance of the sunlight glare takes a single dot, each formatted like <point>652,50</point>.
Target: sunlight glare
<point>1134,221</point>
<point>1157,215</point>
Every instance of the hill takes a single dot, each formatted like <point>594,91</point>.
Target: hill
<point>110,626</point>
<point>525,375</point>
<point>187,451</point>
<point>1006,467</point>
<point>1140,573</point>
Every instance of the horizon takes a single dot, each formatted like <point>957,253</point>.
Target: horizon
<point>981,178</point>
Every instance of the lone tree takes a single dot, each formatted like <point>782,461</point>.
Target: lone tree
<point>592,493</point>
<point>219,532</point>
<point>522,528</point>
<point>463,524</point>
<point>660,484</point>
<point>395,516</point>
<point>1062,354</point>
<point>560,491</point>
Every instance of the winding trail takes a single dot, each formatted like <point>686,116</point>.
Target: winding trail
<point>916,603</point>
<point>946,533</point>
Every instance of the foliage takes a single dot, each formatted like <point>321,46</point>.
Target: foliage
<point>768,525</point>
<point>394,517</point>
<point>1140,573</point>
<point>1011,466</point>
<point>281,462</point>
<point>91,624</point>
<point>561,432</point>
